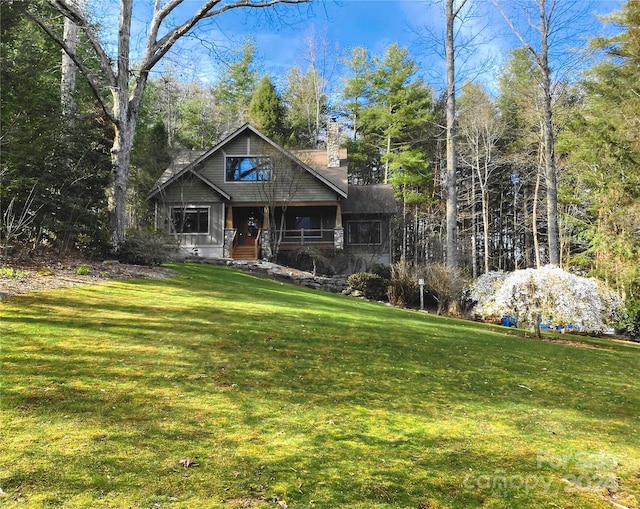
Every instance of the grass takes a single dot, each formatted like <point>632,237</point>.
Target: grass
<point>288,397</point>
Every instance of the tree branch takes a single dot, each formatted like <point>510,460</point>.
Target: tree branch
<point>518,34</point>
<point>157,49</point>
<point>457,11</point>
<point>70,11</point>
<point>86,72</point>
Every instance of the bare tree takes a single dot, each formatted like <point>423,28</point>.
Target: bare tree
<point>554,18</point>
<point>480,129</point>
<point>277,191</point>
<point>323,58</point>
<point>462,58</point>
<point>452,12</point>
<point>119,83</point>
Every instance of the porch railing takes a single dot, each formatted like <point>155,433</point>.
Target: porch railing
<point>258,243</point>
<point>234,239</point>
<point>307,236</point>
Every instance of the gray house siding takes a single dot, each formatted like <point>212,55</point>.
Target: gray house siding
<point>367,254</point>
<point>315,194</point>
<point>189,194</point>
<point>288,183</point>
<point>189,190</point>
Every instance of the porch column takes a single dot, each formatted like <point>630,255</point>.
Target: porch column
<point>267,254</point>
<point>338,232</point>
<point>229,217</point>
<point>227,249</point>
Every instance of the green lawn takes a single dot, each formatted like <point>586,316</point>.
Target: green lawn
<point>289,397</point>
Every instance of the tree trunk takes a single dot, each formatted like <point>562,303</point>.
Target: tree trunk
<point>386,164</point>
<point>534,222</point>
<point>452,160</point>
<point>474,228</point>
<point>485,226</point>
<point>68,69</point>
<point>549,143</point>
<point>553,229</point>
<point>403,255</point>
<point>121,160</point>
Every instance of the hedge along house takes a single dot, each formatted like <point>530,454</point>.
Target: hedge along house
<point>248,198</point>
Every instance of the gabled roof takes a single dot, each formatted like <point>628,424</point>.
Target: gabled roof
<point>332,177</point>
<point>181,166</point>
<point>370,199</point>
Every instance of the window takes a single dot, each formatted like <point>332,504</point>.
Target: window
<point>248,169</point>
<point>364,232</point>
<point>191,220</point>
<point>312,226</point>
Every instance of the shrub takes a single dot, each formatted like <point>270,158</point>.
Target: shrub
<point>403,290</point>
<point>372,286</point>
<point>549,295</point>
<point>384,271</point>
<point>143,247</point>
<point>447,286</point>
<point>83,270</point>
<point>11,273</point>
<point>634,328</point>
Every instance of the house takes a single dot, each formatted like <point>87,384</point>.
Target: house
<point>249,198</point>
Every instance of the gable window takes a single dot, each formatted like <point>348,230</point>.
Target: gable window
<point>191,220</point>
<point>247,169</point>
<point>364,232</point>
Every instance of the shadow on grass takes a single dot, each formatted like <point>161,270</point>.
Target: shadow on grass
<point>280,391</point>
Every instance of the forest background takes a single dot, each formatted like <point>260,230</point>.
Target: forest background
<point>56,166</point>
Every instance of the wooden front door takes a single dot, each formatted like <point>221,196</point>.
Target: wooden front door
<point>247,223</point>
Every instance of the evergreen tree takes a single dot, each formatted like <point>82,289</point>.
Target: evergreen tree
<point>603,150</point>
<point>59,185</point>
<point>392,113</point>
<point>151,155</point>
<point>266,110</point>
<point>356,87</point>
<point>234,90</point>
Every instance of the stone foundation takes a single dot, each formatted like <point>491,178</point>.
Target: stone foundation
<point>228,242</point>
<point>338,238</point>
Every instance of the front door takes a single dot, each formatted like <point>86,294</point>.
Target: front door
<point>247,222</point>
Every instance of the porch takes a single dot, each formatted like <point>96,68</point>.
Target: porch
<point>254,232</point>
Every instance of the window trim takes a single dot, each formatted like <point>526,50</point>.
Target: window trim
<point>187,209</point>
<point>361,221</point>
<point>249,156</point>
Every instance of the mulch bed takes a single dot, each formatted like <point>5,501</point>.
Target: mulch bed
<point>19,276</point>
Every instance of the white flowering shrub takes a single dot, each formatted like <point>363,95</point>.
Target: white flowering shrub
<point>549,295</point>
<point>483,290</point>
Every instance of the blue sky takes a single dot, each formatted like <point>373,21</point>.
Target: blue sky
<point>282,36</point>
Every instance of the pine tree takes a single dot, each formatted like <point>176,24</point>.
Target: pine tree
<point>266,110</point>
<point>234,91</point>
<point>604,161</point>
<point>61,186</point>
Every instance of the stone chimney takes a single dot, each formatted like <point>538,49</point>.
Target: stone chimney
<point>333,143</point>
